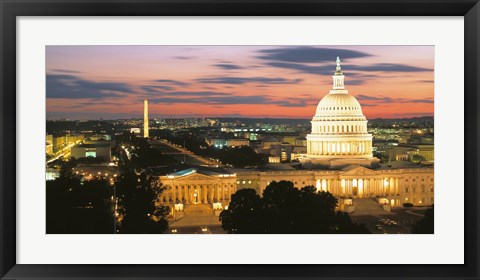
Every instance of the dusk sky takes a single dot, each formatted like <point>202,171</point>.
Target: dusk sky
<point>111,82</point>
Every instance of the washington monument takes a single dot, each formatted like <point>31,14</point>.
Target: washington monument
<point>145,118</point>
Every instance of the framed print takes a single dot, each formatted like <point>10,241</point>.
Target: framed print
<point>223,139</point>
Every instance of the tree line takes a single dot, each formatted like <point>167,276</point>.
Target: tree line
<point>285,209</point>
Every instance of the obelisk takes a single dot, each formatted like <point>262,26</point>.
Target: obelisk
<point>145,118</point>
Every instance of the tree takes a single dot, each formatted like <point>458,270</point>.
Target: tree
<point>146,157</point>
<point>78,207</point>
<point>283,208</point>
<point>344,225</point>
<point>244,214</point>
<point>58,205</point>
<point>238,156</point>
<point>138,195</point>
<point>426,224</point>
<point>417,158</point>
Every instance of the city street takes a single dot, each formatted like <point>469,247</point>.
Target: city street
<point>179,153</point>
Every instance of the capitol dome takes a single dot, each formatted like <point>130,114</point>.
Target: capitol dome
<point>339,105</point>
<point>339,128</point>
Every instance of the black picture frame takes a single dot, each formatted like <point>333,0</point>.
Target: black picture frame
<point>469,9</point>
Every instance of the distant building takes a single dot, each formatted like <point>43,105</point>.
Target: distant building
<point>135,130</point>
<point>49,144</point>
<point>426,152</point>
<point>238,142</point>
<point>220,143</point>
<point>51,174</point>
<point>97,150</point>
<point>407,152</point>
<point>60,142</point>
<point>98,137</point>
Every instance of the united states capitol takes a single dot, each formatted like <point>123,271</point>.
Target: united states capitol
<point>338,159</point>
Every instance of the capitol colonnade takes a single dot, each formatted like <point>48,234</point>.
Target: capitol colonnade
<point>339,148</point>
<point>340,183</point>
<point>359,187</point>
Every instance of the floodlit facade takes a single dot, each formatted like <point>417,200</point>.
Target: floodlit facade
<point>96,150</point>
<point>192,186</point>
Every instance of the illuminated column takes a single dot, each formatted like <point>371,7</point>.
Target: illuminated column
<point>205,192</point>
<point>145,118</point>
<point>185,194</point>
<point>228,192</point>
<point>223,191</point>
<point>180,195</point>
<point>174,196</point>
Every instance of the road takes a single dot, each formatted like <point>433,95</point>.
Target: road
<point>179,153</point>
<point>64,152</point>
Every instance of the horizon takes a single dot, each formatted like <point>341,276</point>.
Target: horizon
<point>277,82</point>
<point>208,117</point>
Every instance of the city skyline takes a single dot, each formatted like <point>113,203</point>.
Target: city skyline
<point>111,82</point>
